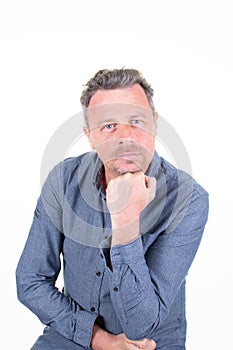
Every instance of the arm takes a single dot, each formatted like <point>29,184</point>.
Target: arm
<point>144,286</point>
<point>38,269</point>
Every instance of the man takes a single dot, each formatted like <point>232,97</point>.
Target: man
<point>128,225</point>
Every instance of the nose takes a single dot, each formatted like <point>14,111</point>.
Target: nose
<point>124,132</point>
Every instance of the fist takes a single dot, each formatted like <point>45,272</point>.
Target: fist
<point>128,195</point>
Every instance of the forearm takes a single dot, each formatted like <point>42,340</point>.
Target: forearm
<point>132,292</point>
<point>55,309</point>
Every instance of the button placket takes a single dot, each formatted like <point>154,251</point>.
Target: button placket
<point>97,281</point>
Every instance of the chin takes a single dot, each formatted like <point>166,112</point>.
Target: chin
<point>131,168</point>
<point>121,167</point>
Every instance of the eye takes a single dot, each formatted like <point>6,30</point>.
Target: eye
<point>136,122</point>
<point>109,127</point>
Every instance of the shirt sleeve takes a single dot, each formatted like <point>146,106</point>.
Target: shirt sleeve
<point>144,286</point>
<point>38,269</point>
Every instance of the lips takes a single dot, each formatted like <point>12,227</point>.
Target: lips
<point>128,156</point>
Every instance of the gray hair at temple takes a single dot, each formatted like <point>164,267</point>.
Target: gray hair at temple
<point>106,79</point>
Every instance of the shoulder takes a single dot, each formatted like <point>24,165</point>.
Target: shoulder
<point>187,199</point>
<point>70,167</point>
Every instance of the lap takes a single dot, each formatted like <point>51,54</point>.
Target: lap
<point>51,340</point>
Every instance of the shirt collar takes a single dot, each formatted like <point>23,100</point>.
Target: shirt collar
<point>155,165</point>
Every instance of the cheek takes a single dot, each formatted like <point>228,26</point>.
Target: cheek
<point>149,148</point>
<point>104,146</point>
<point>94,139</point>
<point>147,140</point>
<point>105,152</point>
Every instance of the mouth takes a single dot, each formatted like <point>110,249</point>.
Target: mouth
<point>128,156</point>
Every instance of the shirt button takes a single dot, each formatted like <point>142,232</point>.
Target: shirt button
<point>98,273</point>
<point>92,309</point>
<point>115,289</point>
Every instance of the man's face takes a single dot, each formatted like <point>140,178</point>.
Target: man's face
<point>122,129</point>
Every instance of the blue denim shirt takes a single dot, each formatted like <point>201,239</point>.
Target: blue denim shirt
<point>137,288</point>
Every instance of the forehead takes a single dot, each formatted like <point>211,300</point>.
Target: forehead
<point>118,112</point>
<point>130,95</point>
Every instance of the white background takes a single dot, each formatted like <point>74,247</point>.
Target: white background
<point>49,49</point>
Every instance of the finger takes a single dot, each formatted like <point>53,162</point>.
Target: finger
<point>119,194</point>
<point>146,344</point>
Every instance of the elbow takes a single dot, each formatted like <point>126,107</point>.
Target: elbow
<point>139,334</point>
<point>143,327</point>
<point>26,288</point>
<point>21,291</point>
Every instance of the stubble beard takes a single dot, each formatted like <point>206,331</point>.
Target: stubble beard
<point>122,166</point>
<point>127,158</point>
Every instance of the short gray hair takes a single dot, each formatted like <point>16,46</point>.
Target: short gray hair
<point>106,79</point>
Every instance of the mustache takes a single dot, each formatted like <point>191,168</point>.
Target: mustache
<point>130,148</point>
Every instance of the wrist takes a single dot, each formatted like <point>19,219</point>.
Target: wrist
<point>120,221</point>
<point>125,232</point>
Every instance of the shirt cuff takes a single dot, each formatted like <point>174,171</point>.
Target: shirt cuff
<point>127,253</point>
<point>84,328</point>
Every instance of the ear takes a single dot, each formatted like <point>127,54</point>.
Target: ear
<point>86,131</point>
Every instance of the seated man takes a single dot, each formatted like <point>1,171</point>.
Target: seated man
<point>127,224</point>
